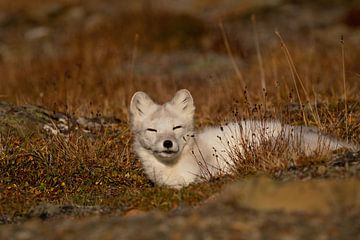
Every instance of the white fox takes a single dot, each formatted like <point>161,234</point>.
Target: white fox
<point>173,154</point>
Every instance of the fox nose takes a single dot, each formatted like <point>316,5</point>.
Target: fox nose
<point>167,144</point>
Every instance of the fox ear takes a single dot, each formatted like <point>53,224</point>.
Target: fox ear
<point>184,101</point>
<point>141,105</point>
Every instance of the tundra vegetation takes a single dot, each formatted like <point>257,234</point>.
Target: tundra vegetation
<point>68,71</point>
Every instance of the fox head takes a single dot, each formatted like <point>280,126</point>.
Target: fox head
<point>163,130</point>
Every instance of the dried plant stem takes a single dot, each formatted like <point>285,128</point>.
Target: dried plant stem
<point>283,46</point>
<point>230,53</point>
<point>295,75</point>
<point>316,109</point>
<point>259,58</point>
<point>344,85</point>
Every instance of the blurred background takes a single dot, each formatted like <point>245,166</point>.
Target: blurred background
<point>82,56</point>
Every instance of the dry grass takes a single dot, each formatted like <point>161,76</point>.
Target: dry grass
<point>86,76</point>
<point>79,170</point>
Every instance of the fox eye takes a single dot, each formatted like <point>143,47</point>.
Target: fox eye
<point>177,127</point>
<point>151,130</point>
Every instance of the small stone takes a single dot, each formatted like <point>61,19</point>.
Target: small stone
<point>75,14</point>
<point>37,33</point>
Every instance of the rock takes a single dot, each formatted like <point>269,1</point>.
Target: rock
<point>340,165</point>
<point>40,13</point>
<point>96,123</point>
<point>33,119</point>
<point>47,210</point>
<point>316,196</point>
<point>184,64</point>
<point>36,33</point>
<point>74,14</point>
<point>5,107</point>
<point>23,119</point>
<point>205,9</point>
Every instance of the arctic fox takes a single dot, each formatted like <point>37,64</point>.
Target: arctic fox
<point>173,154</point>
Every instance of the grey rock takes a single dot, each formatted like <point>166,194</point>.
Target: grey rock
<point>29,119</point>
<point>47,210</point>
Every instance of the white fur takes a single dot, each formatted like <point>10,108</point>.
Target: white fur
<point>195,157</point>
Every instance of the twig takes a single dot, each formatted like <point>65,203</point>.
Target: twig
<point>344,85</point>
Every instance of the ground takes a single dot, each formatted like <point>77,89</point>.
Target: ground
<point>68,71</point>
